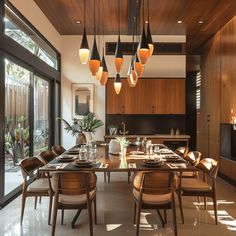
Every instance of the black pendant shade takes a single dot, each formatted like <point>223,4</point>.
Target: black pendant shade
<point>118,53</point>
<point>149,35</point>
<point>95,53</point>
<point>117,78</point>
<point>104,64</point>
<point>143,42</point>
<point>84,42</point>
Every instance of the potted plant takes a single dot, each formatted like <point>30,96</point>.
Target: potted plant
<point>113,129</point>
<point>83,128</point>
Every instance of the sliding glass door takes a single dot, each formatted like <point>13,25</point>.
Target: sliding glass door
<point>24,118</point>
<point>17,122</point>
<point>41,114</point>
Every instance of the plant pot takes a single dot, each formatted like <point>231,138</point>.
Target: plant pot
<point>88,137</point>
<point>80,139</point>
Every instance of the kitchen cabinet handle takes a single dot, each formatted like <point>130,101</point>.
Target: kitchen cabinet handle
<point>153,109</point>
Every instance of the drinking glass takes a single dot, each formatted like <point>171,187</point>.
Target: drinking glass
<point>83,152</point>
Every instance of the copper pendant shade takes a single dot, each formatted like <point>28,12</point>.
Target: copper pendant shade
<point>138,66</point>
<point>94,62</point>
<point>117,84</point>
<point>104,77</point>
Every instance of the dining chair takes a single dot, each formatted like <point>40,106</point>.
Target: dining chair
<point>182,151</point>
<point>154,190</point>
<point>193,158</point>
<point>33,184</point>
<point>200,188</point>
<point>58,149</point>
<point>47,156</point>
<point>74,190</point>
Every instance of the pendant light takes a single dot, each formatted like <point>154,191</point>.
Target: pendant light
<point>94,62</point>
<point>118,54</point>
<point>143,50</point>
<point>100,69</point>
<point>104,77</point>
<point>84,48</point>
<point>138,66</point>
<point>149,36</point>
<point>117,83</point>
<point>132,76</point>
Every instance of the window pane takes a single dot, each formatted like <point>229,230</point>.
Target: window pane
<point>19,31</point>
<point>41,116</point>
<point>17,89</point>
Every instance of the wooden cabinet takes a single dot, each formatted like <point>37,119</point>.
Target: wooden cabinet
<point>150,96</point>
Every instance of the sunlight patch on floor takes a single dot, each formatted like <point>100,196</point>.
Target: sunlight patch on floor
<point>110,227</point>
<point>225,219</point>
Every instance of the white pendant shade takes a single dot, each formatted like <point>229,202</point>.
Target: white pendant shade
<point>84,55</point>
<point>99,73</point>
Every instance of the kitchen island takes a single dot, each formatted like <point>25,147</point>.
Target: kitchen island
<point>167,139</point>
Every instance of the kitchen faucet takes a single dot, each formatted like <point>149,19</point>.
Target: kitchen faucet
<point>123,131</point>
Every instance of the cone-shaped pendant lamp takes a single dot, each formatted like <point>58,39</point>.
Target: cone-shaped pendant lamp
<point>118,54</point>
<point>94,62</point>
<point>117,83</point>
<point>149,36</point>
<point>143,50</point>
<point>84,48</point>
<point>104,77</point>
<point>149,41</point>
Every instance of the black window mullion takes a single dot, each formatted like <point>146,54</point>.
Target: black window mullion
<point>31,115</point>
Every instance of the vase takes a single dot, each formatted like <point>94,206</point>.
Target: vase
<point>80,139</point>
<point>88,137</point>
<point>123,151</point>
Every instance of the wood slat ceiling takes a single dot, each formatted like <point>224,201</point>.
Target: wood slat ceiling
<point>164,15</point>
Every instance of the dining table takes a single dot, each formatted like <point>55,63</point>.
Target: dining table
<point>103,161</point>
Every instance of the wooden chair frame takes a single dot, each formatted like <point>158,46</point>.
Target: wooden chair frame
<point>209,175</point>
<point>85,189</point>
<point>29,166</point>
<point>139,204</point>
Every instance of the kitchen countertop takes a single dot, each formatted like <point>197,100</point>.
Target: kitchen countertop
<point>161,136</point>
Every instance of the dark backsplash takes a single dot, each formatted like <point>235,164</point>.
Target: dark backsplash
<point>148,124</point>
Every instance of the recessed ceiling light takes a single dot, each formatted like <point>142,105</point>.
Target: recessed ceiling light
<point>179,21</point>
<point>146,21</point>
<point>200,22</point>
<point>78,22</point>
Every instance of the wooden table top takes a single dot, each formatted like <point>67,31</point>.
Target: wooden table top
<point>106,162</point>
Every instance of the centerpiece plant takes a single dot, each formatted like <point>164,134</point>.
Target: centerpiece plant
<point>124,143</point>
<point>83,128</point>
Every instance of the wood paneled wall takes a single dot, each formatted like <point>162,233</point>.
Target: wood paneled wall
<point>218,93</point>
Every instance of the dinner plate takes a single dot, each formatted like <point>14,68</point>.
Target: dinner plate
<point>65,158</point>
<point>75,151</point>
<point>153,162</point>
<point>83,162</point>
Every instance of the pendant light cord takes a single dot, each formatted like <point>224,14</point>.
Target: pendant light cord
<point>119,17</point>
<point>143,13</point>
<point>148,9</point>
<point>94,26</point>
<point>84,11</point>
<point>134,18</point>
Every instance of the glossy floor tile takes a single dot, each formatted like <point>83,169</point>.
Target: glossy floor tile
<point>115,212</point>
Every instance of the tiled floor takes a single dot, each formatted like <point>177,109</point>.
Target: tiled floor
<point>115,209</point>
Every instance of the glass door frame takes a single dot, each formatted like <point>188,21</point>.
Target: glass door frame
<point>4,199</point>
